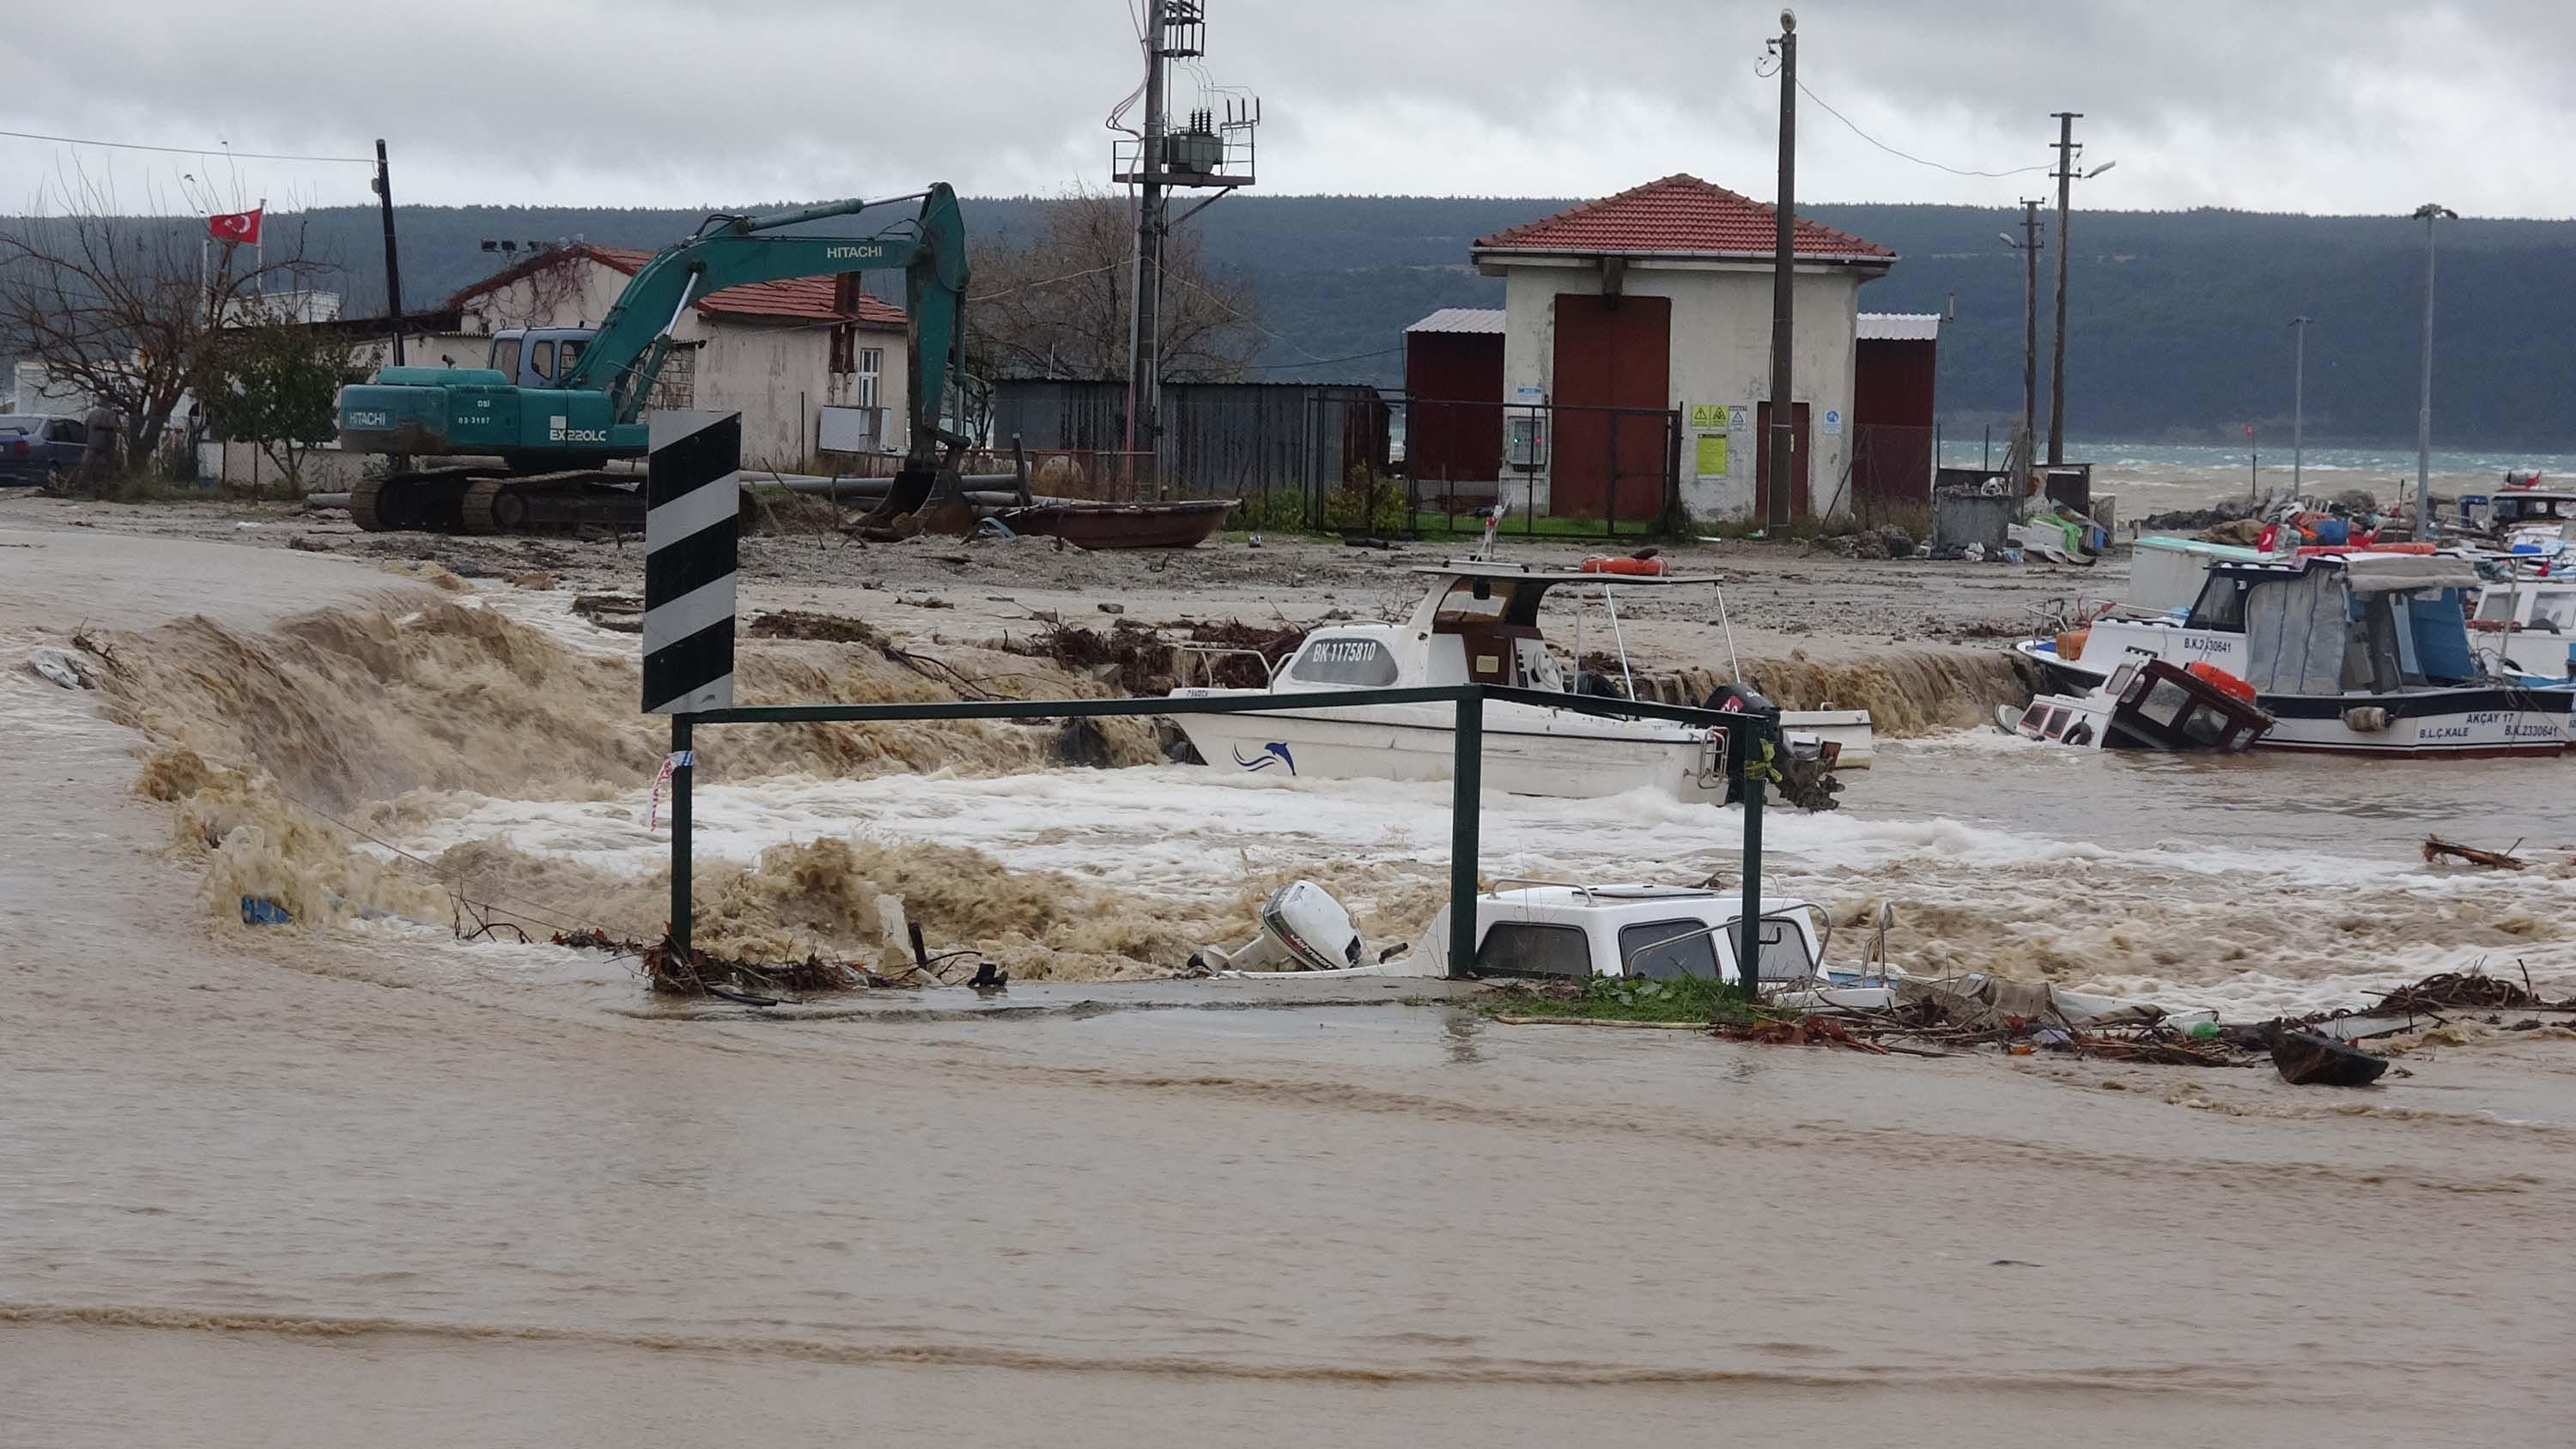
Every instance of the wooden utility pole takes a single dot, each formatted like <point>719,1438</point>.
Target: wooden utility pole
<point>1784,431</point>
<point>2030,245</point>
<point>2066,149</point>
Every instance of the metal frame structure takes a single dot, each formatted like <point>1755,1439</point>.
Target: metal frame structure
<point>1745,735</point>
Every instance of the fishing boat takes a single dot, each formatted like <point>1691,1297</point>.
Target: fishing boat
<point>2148,704</point>
<point>2525,628</point>
<point>1477,623</point>
<point>2356,653</point>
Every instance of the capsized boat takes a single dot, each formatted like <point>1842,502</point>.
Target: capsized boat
<point>1477,623</point>
<point>2354,653</point>
<point>2148,704</point>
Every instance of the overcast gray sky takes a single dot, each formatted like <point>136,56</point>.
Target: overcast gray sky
<point>2349,106</point>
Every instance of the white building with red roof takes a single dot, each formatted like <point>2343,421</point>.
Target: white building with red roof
<point>803,360</point>
<point>1619,311</point>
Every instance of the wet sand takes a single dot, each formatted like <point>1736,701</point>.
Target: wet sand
<point>290,1187</point>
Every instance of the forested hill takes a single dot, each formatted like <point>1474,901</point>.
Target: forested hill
<point>2178,320</point>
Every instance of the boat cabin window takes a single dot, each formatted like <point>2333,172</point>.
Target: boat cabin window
<point>2495,606</point>
<point>1529,948</point>
<point>2509,509</point>
<point>2206,725</point>
<point>1364,662</point>
<point>1663,950</point>
<point>2554,613</point>
<point>2221,606</point>
<point>1784,953</point>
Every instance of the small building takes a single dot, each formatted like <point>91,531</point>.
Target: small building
<point>1453,414</point>
<point>1624,311</point>
<point>1895,366</point>
<point>784,354</point>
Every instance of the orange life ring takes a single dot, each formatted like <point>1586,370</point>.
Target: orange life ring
<point>2220,679</point>
<point>1640,567</point>
<point>2338,550</point>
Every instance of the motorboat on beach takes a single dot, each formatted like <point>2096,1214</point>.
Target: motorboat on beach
<point>1477,623</point>
<point>2354,653</point>
<point>2147,704</point>
<point>2525,628</point>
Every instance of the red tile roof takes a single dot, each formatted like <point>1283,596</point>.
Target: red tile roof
<point>1680,216</point>
<point>798,299</point>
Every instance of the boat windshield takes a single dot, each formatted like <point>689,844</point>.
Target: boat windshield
<point>2510,509</point>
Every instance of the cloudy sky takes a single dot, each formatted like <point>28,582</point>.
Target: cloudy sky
<point>2315,105</point>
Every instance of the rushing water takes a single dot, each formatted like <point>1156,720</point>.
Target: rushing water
<point>356,1180</point>
<point>2160,477</point>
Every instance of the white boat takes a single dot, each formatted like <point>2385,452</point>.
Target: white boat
<point>1478,624</point>
<point>2364,653</point>
<point>2525,627</point>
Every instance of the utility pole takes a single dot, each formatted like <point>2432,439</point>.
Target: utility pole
<point>1784,430</point>
<point>1144,379</point>
<point>2299,408</point>
<point>2066,149</point>
<point>393,269</point>
<point>2028,246</point>
<point>2428,213</point>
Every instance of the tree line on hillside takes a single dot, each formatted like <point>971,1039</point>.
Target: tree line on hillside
<point>2178,321</point>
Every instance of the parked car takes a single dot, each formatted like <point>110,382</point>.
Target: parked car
<point>35,447</point>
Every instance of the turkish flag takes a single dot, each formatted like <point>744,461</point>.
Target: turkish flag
<point>235,226</point>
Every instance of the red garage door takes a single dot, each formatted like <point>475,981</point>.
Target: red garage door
<point>1611,352</point>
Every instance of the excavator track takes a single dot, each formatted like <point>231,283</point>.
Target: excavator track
<point>553,503</point>
<point>429,500</point>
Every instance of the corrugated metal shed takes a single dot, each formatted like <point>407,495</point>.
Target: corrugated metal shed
<point>1461,319</point>
<point>1899,327</point>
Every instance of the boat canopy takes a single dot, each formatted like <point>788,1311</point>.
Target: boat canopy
<point>2371,622</point>
<point>1521,574</point>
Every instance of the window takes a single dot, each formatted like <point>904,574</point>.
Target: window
<point>1784,953</point>
<point>1652,951</point>
<point>2221,606</point>
<point>541,358</point>
<point>2554,613</point>
<point>64,430</point>
<point>572,347</point>
<point>1363,662</point>
<point>2165,703</point>
<point>1521,948</point>
<point>871,362</point>
<point>505,357</point>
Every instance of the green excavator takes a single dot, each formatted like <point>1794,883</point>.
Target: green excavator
<point>554,441</point>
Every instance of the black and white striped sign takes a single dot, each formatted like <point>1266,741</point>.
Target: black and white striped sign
<point>692,499</point>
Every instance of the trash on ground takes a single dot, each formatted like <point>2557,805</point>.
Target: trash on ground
<point>261,911</point>
<point>2306,1059</point>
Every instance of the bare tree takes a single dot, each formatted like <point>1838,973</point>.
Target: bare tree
<point>1058,304</point>
<point>126,308</point>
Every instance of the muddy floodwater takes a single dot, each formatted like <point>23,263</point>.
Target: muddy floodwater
<point>354,1180</point>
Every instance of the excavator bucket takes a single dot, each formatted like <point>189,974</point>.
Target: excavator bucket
<point>922,500</point>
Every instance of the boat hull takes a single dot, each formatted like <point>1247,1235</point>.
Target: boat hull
<point>1528,750</point>
<point>1182,524</point>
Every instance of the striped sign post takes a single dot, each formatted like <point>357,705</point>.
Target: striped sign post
<point>692,500</point>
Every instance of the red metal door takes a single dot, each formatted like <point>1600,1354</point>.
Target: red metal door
<point>1611,352</point>
<point>1798,507</point>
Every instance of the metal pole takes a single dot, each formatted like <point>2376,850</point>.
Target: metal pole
<point>1783,278</point>
<point>2029,330</point>
<point>683,764</point>
<point>1468,775</point>
<point>2057,365</point>
<point>2428,213</point>
<point>2299,410</point>
<point>1748,948</point>
<point>1144,410</point>
<point>393,269</point>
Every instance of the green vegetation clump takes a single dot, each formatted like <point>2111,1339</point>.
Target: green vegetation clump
<point>1624,998</point>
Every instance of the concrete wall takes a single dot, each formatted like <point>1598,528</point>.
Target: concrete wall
<point>1721,354</point>
<point>780,378</point>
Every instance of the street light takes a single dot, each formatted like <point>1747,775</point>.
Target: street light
<point>2299,406</point>
<point>2428,213</point>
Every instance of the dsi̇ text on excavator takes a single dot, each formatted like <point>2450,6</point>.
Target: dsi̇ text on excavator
<point>543,453</point>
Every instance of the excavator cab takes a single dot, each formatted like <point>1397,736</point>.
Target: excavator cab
<point>537,356</point>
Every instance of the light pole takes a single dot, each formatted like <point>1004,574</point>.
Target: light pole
<point>2028,246</point>
<point>2428,213</point>
<point>2299,406</point>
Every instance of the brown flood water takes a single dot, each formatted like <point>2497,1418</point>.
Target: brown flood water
<point>299,1188</point>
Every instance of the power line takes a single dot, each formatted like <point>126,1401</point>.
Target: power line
<point>188,150</point>
<point>1320,361</point>
<point>1902,155</point>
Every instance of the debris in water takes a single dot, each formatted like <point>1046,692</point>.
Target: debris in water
<point>2306,1059</point>
<point>2435,847</point>
<point>617,613</point>
<point>261,911</point>
<point>56,666</point>
<point>2459,990</point>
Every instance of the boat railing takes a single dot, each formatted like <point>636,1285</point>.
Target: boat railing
<point>1198,661</point>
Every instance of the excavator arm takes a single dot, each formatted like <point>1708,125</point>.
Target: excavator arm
<point>627,354</point>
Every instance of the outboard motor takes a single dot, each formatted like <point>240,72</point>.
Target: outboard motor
<point>1738,699</point>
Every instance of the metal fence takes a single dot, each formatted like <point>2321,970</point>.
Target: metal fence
<point>1558,469</point>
